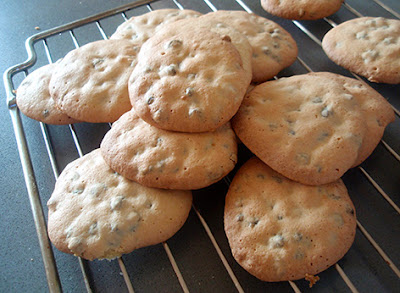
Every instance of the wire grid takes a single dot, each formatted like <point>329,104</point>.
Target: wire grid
<point>50,266</point>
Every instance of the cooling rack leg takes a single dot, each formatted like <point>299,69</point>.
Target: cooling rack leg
<point>53,280</point>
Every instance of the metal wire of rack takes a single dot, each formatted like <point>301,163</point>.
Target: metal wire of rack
<point>239,280</point>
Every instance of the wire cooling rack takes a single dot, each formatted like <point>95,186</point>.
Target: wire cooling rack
<point>198,258</point>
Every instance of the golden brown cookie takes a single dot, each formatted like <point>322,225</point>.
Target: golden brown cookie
<point>273,47</point>
<point>96,213</point>
<point>306,127</point>
<point>302,9</point>
<point>91,82</point>
<point>34,100</point>
<point>165,159</point>
<point>282,230</point>
<point>188,81</point>
<point>368,46</point>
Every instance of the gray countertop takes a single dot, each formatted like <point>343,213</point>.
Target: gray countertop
<point>149,268</point>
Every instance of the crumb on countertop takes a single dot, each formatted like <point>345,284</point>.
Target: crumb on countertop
<point>312,279</point>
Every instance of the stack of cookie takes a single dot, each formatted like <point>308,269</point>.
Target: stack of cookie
<point>173,82</point>
<point>287,213</point>
<point>185,85</point>
<point>298,219</point>
<point>90,84</point>
<point>312,128</point>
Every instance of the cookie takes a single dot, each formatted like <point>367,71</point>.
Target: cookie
<point>368,46</point>
<point>141,28</point>
<point>91,83</point>
<point>301,10</point>
<point>273,47</point>
<point>188,81</point>
<point>281,230</point>
<point>377,112</point>
<point>165,159</point>
<point>34,100</point>
<point>238,39</point>
<point>95,213</point>
<point>306,127</point>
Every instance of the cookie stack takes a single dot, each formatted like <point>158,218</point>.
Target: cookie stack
<point>287,212</point>
<point>90,84</point>
<point>312,128</point>
<point>185,85</point>
<point>174,82</point>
